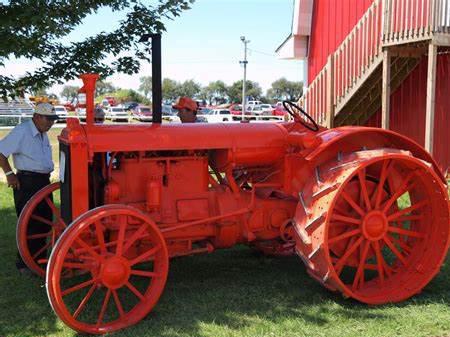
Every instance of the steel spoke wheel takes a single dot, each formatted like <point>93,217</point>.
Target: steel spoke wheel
<point>385,232</point>
<point>26,235</point>
<point>119,261</point>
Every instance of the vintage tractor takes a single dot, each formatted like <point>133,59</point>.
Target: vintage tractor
<point>365,209</point>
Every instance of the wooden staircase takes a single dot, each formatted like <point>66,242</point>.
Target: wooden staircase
<point>380,52</point>
<point>366,100</point>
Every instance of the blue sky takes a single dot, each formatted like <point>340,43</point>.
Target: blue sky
<point>204,44</point>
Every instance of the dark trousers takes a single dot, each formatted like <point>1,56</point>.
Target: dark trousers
<point>30,183</point>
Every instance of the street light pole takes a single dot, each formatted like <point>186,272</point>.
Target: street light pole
<point>245,75</point>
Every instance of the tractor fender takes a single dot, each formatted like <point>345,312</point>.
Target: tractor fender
<point>349,139</point>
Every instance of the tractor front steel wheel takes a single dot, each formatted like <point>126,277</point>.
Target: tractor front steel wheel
<point>119,262</point>
<point>374,225</point>
<point>24,234</point>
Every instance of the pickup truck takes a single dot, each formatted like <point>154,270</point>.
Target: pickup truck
<point>117,114</point>
<point>218,116</point>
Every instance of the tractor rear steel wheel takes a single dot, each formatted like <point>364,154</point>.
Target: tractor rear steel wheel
<point>120,262</point>
<point>374,225</point>
<point>23,237</point>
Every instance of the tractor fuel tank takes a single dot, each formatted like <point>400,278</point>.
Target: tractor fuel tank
<point>260,144</point>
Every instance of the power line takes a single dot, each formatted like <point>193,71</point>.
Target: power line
<point>261,52</point>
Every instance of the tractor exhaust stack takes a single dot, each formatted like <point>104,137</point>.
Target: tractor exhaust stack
<point>156,79</point>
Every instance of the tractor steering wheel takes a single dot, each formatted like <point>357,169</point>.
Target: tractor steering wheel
<point>289,108</point>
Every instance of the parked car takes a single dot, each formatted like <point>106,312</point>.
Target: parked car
<point>266,109</point>
<point>279,110</point>
<point>254,110</point>
<point>203,111</point>
<point>116,114</point>
<point>130,105</point>
<point>168,110</point>
<point>80,113</point>
<point>201,103</point>
<point>218,116</point>
<point>201,119</point>
<point>142,113</point>
<point>61,111</point>
<point>252,103</point>
<point>169,114</point>
<point>236,109</point>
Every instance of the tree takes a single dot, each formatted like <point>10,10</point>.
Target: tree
<point>125,95</point>
<point>39,92</point>
<point>69,92</point>
<point>215,92</point>
<point>39,32</point>
<point>170,90</point>
<point>282,89</point>
<point>189,88</point>
<point>104,88</point>
<point>146,85</point>
<point>252,90</point>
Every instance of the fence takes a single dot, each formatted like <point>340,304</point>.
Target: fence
<point>13,119</point>
<point>411,20</point>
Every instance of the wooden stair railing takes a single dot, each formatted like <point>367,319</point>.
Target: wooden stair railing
<point>346,68</point>
<point>408,21</point>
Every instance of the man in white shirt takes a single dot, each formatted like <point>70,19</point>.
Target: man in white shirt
<point>30,148</point>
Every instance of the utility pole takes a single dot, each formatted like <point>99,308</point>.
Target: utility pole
<point>245,75</point>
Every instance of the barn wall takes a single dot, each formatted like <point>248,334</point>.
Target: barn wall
<point>331,22</point>
<point>408,106</point>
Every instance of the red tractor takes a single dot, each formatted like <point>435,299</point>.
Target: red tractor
<point>365,209</point>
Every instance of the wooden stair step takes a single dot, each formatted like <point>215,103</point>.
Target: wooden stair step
<point>374,93</point>
<point>367,100</point>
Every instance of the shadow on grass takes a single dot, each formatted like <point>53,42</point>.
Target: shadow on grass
<point>235,290</point>
<point>24,308</point>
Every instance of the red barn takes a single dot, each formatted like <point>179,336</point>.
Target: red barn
<point>382,63</point>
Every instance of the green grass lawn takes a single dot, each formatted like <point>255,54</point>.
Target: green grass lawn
<point>229,293</point>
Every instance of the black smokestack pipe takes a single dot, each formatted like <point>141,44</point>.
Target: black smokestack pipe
<point>156,79</point>
<point>156,76</point>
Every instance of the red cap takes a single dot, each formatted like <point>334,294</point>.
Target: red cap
<point>185,103</point>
